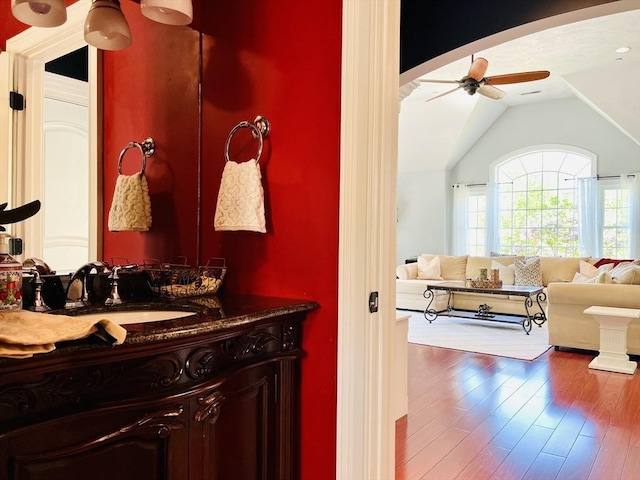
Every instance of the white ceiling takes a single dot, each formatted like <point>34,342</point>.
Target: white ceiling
<point>581,58</point>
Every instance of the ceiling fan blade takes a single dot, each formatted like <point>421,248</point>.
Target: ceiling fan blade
<point>438,81</point>
<point>478,69</point>
<point>445,93</point>
<point>491,92</point>
<point>516,77</point>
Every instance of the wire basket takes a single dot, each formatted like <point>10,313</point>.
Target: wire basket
<point>171,280</point>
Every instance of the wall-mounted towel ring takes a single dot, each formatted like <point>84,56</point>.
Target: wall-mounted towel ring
<point>147,148</point>
<point>259,128</point>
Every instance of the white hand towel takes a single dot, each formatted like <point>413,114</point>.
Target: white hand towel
<point>131,205</point>
<point>241,198</point>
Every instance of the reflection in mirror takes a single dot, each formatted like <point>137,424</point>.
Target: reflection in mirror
<point>55,143</point>
<point>65,244</point>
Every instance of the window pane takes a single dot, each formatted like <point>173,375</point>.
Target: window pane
<point>540,218</point>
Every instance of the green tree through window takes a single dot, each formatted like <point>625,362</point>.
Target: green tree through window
<point>538,202</point>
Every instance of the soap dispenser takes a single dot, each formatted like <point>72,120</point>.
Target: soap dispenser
<point>10,277</point>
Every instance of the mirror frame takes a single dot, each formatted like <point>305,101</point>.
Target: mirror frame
<point>27,54</point>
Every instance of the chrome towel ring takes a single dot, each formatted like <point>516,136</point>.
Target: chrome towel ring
<point>260,128</point>
<point>147,149</point>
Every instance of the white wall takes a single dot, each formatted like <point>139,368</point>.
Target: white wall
<point>567,121</point>
<point>424,198</point>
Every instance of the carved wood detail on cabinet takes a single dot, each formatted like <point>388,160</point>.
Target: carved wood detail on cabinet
<point>215,406</point>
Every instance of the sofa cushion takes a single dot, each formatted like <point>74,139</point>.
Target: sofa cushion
<point>559,269</point>
<point>528,272</point>
<point>429,268</point>
<point>451,267</point>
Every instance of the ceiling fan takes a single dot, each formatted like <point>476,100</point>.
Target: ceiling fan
<point>475,81</point>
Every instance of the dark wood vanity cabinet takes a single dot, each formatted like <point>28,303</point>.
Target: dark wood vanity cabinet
<point>212,407</point>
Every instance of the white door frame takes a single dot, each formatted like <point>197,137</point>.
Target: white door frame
<point>368,184</point>
<point>367,250</point>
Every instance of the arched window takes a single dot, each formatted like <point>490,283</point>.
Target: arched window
<point>549,201</point>
<point>538,201</point>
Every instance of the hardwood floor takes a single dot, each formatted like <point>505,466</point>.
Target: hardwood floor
<point>474,416</point>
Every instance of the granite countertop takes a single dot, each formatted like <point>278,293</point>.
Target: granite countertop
<point>214,313</point>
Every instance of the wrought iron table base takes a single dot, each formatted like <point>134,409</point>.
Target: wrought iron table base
<point>484,311</point>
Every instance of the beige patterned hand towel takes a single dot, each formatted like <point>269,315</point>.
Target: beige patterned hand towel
<point>131,205</point>
<point>24,333</point>
<point>241,198</point>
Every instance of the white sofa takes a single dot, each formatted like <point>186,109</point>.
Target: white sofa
<point>570,327</point>
<point>569,291</point>
<point>410,288</point>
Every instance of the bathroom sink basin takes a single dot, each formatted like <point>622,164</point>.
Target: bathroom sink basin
<point>138,316</point>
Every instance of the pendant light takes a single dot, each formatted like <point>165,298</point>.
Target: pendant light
<point>105,27</point>
<point>171,12</point>
<point>40,13</point>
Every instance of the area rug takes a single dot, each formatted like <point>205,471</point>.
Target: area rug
<point>491,338</point>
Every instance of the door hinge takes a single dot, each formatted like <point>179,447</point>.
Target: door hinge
<point>16,101</point>
<point>373,302</point>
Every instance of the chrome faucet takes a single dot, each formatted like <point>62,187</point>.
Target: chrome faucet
<point>77,292</point>
<point>114,297</point>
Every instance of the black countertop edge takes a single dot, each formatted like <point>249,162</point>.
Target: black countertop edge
<point>213,313</point>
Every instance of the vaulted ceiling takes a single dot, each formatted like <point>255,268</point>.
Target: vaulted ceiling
<point>581,56</point>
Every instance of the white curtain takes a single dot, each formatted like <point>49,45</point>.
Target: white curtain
<point>460,221</point>
<point>492,225</point>
<point>589,222</point>
<point>631,183</point>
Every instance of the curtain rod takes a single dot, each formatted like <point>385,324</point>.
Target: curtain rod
<point>601,177</point>
<point>477,184</point>
<point>467,185</point>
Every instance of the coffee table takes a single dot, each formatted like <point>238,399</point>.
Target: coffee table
<point>529,294</point>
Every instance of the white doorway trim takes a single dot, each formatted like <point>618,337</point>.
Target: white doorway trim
<point>367,251</point>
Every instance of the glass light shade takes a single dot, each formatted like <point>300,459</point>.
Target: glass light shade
<point>171,12</point>
<point>105,27</point>
<point>40,13</point>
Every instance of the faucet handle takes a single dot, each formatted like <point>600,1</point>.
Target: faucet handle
<point>116,268</point>
<point>114,297</point>
<point>38,304</point>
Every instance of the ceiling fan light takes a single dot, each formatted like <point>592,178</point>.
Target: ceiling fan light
<point>106,27</point>
<point>170,12</point>
<point>40,13</point>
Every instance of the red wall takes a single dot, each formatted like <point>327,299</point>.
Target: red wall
<point>258,58</point>
<point>281,59</point>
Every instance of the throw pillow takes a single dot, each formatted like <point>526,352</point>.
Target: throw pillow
<point>580,278</point>
<point>591,270</point>
<point>429,268</point>
<point>507,272</point>
<point>602,277</point>
<point>528,272</point>
<point>604,261</point>
<point>629,275</point>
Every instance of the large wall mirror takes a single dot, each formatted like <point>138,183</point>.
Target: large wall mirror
<point>55,142</point>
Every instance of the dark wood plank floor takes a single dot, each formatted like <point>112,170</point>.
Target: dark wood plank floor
<point>475,416</point>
